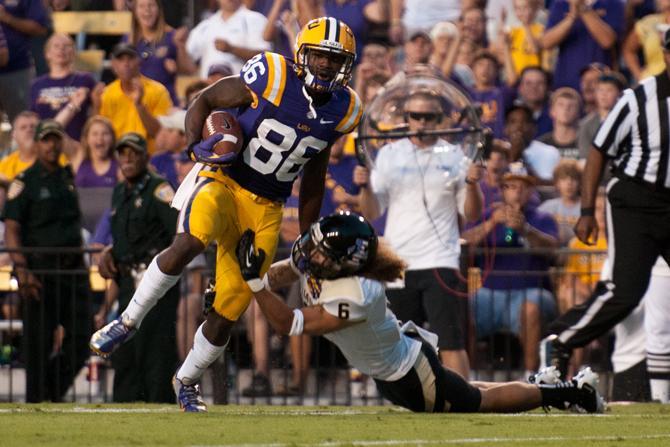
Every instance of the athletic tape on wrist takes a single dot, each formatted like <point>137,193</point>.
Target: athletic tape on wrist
<point>256,284</point>
<point>298,322</point>
<point>266,282</point>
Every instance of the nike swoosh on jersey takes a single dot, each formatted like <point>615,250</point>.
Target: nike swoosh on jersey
<point>322,121</point>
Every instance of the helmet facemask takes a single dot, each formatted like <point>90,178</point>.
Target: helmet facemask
<point>340,79</point>
<point>316,254</point>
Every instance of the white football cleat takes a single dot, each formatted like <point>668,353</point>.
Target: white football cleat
<point>548,375</point>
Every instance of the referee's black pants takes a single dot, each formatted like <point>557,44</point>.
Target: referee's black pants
<point>638,221</point>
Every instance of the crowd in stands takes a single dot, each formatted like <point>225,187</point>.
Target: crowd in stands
<point>542,74</point>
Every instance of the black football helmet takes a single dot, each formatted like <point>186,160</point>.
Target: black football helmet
<point>339,245</point>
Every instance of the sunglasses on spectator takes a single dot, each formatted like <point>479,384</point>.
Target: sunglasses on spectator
<point>426,116</point>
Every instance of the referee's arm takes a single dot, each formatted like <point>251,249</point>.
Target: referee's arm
<point>586,228</point>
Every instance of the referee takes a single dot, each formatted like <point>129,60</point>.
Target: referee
<point>636,137</point>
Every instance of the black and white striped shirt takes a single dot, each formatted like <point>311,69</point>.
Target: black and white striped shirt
<point>636,133</point>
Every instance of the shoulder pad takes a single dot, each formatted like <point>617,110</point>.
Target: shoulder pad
<point>265,75</point>
<point>344,298</point>
<point>353,114</point>
<point>164,192</point>
<point>15,188</point>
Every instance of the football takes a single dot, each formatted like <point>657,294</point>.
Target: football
<point>224,123</point>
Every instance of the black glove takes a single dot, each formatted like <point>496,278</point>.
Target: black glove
<point>250,262</point>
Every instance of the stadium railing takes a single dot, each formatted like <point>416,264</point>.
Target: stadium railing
<point>330,380</point>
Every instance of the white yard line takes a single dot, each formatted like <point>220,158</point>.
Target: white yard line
<point>241,411</point>
<point>394,442</point>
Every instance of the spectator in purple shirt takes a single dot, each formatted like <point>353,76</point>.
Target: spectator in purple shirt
<point>282,26</point>
<point>341,194</point>
<point>358,14</point>
<point>162,49</point>
<point>509,302</point>
<point>93,161</point>
<point>63,94</point>
<point>170,141</point>
<point>19,20</point>
<point>496,167</point>
<point>533,92</point>
<point>486,91</point>
<point>584,31</point>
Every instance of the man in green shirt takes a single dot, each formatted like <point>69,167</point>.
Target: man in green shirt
<point>42,210</point>
<point>143,224</point>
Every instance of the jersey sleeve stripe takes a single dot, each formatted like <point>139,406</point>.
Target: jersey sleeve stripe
<point>353,114</point>
<point>276,78</point>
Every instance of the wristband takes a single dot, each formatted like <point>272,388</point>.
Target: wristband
<point>588,212</point>
<point>298,322</point>
<point>256,285</point>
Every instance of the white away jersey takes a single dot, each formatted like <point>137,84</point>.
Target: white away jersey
<point>375,345</point>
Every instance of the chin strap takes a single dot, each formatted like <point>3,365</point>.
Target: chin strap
<point>312,111</point>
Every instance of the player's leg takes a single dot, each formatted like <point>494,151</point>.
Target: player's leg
<point>633,249</point>
<point>199,222</point>
<point>657,327</point>
<point>455,394</point>
<point>232,293</point>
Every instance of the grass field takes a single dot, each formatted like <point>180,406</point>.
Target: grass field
<point>135,425</point>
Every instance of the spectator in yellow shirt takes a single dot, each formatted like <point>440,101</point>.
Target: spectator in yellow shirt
<point>23,133</point>
<point>582,271</point>
<point>133,102</point>
<point>521,45</point>
<point>646,36</point>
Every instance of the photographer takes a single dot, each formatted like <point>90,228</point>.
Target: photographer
<point>424,182</point>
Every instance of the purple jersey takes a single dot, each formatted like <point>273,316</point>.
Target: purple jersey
<point>49,95</point>
<point>86,177</point>
<point>282,129</point>
<point>517,262</point>
<point>152,65</point>
<point>19,43</point>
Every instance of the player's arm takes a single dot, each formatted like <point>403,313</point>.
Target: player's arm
<point>281,274</point>
<point>312,188</point>
<point>228,92</point>
<point>313,320</point>
<point>586,228</point>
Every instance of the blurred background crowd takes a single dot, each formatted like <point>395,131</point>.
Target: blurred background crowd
<point>542,74</point>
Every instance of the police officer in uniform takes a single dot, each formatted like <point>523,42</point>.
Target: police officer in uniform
<point>42,210</point>
<point>143,224</point>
